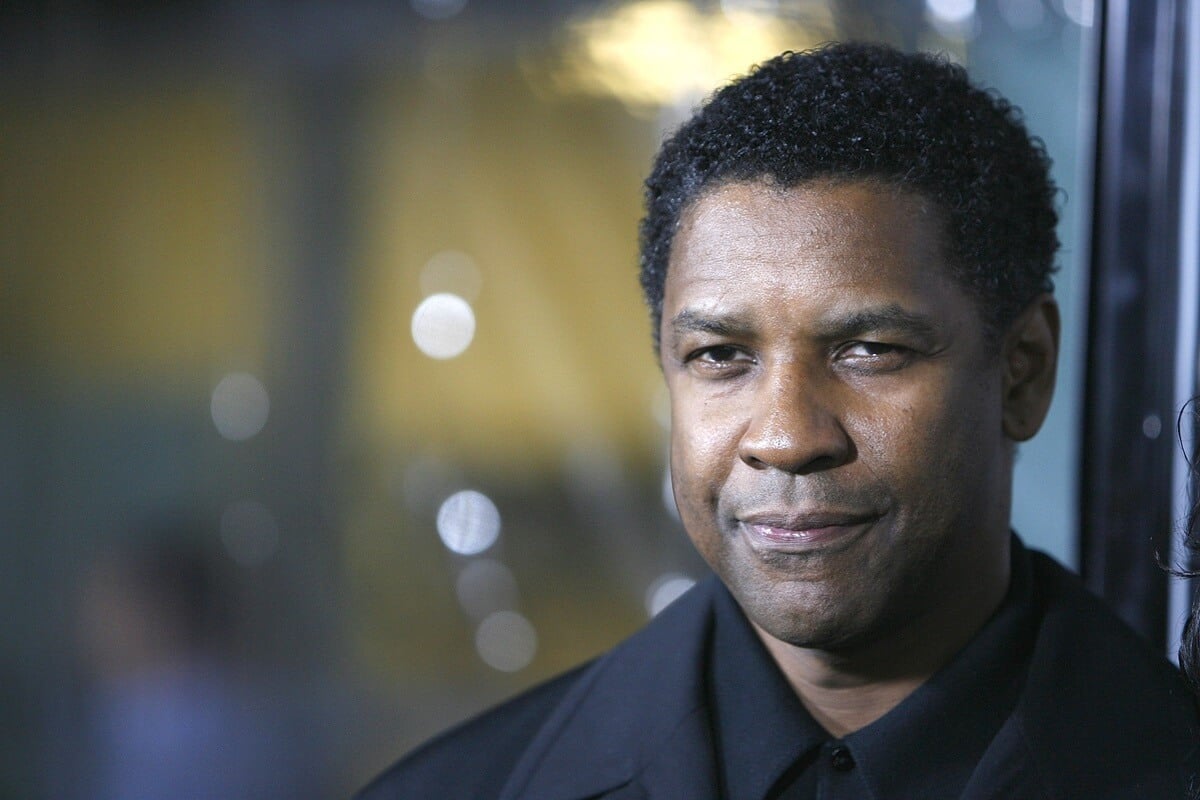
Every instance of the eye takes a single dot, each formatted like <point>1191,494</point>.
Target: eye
<point>721,359</point>
<point>869,349</point>
<point>875,356</point>
<point>717,354</point>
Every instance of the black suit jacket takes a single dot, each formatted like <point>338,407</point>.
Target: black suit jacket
<point>1101,716</point>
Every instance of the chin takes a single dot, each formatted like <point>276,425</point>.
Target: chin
<point>806,615</point>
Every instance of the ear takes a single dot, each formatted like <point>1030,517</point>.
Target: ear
<point>1030,362</point>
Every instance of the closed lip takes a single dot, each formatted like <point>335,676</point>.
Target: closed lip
<point>809,520</point>
<point>802,532</point>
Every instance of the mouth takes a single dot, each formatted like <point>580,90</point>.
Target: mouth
<point>803,533</point>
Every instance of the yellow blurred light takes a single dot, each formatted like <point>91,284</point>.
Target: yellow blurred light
<point>663,52</point>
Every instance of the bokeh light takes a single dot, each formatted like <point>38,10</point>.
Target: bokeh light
<point>240,406</point>
<point>955,12</point>
<point>249,532</point>
<point>957,22</point>
<point>655,53</point>
<point>485,586</point>
<point>468,522</point>
<point>506,641</point>
<point>666,589</point>
<point>443,325</point>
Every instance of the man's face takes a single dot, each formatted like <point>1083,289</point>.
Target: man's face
<point>837,443</point>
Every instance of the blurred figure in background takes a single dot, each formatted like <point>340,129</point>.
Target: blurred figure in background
<point>164,712</point>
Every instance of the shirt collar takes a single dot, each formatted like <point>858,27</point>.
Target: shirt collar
<point>760,727</point>
<point>945,726</point>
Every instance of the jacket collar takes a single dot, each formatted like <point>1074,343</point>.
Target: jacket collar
<point>637,716</point>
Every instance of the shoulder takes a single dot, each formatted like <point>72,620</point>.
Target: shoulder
<point>1101,707</point>
<point>474,758</point>
<point>1076,622</point>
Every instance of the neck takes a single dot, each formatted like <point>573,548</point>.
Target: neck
<point>850,688</point>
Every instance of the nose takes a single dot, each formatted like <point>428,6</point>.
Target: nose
<point>794,426</point>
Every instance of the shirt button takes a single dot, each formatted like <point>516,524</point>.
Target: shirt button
<point>841,759</point>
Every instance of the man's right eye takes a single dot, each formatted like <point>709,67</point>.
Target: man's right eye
<point>718,358</point>
<point>718,353</point>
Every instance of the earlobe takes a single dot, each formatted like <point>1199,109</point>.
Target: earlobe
<point>1030,356</point>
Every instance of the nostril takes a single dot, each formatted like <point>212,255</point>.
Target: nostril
<point>754,462</point>
<point>813,443</point>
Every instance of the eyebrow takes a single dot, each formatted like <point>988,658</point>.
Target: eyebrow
<point>690,321</point>
<point>891,317</point>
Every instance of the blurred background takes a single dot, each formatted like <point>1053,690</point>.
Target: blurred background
<point>328,412</point>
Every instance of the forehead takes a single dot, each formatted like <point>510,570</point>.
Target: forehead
<point>828,246</point>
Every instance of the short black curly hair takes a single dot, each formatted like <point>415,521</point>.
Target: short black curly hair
<point>857,111</point>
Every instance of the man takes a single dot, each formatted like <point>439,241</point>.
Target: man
<point>847,257</point>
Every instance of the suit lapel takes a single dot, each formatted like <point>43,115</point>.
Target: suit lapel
<point>682,765</point>
<point>636,724</point>
<point>1007,769</point>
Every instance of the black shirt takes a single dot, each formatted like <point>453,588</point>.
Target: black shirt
<point>769,747</point>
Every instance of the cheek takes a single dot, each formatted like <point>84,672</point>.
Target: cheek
<point>932,445</point>
<point>704,442</point>
<point>703,450</point>
<point>891,432</point>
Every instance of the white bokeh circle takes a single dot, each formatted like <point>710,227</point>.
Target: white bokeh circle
<point>468,522</point>
<point>443,325</point>
<point>506,641</point>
